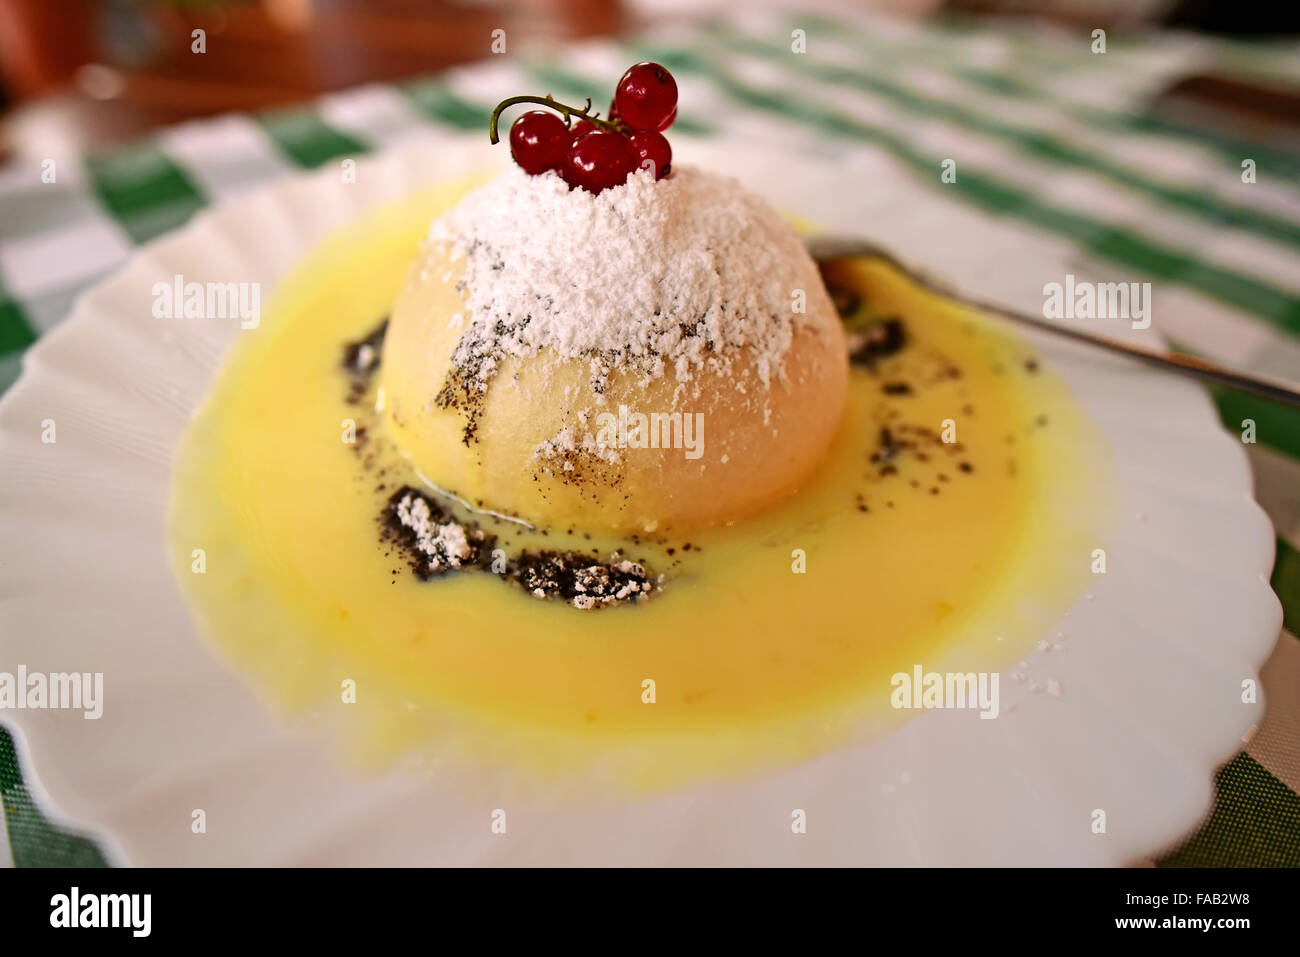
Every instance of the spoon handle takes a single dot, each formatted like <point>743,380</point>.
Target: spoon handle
<point>826,248</point>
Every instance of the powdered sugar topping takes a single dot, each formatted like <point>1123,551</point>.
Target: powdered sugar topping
<point>445,544</point>
<point>662,276</point>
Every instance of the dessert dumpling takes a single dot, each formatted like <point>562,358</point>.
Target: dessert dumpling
<point>655,357</point>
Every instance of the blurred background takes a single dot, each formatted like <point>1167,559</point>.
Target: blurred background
<point>76,75</point>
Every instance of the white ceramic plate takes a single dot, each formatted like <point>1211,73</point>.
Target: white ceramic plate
<point>1158,650</point>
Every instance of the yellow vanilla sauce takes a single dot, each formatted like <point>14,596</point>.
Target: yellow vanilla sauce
<point>753,663</point>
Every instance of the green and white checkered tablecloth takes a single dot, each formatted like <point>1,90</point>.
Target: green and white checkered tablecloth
<point>1047,134</point>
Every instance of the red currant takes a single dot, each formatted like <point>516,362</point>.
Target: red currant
<point>538,141</point>
<point>598,160</point>
<point>579,128</point>
<point>646,97</point>
<point>652,152</point>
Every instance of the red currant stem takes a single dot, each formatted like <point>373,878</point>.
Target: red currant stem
<point>614,126</point>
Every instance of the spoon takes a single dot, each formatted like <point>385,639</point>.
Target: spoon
<point>828,248</point>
